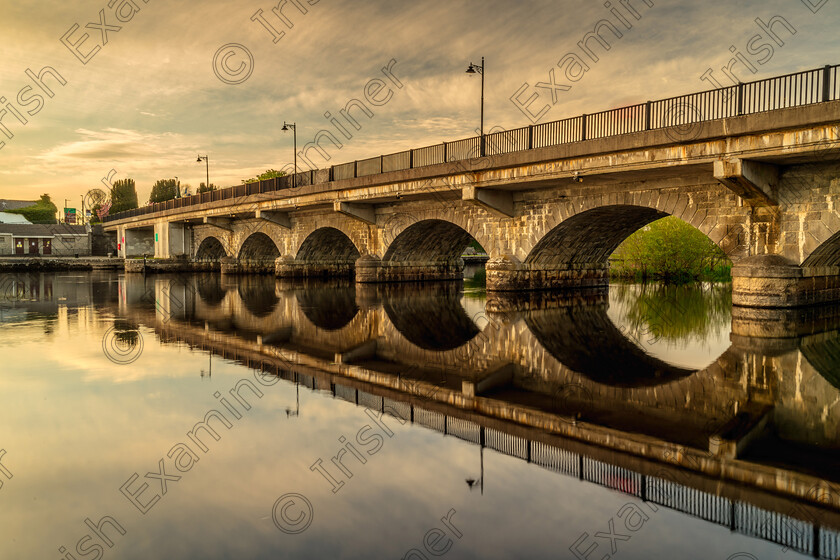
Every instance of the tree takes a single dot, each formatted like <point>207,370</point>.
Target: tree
<point>42,212</point>
<point>123,196</point>
<point>202,188</point>
<point>269,174</point>
<point>163,190</point>
<point>668,249</point>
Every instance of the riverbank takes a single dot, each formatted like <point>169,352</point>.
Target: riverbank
<point>47,264</point>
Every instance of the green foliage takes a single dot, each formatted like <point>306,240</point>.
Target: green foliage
<point>670,250</point>
<point>685,313</point>
<point>475,245</point>
<point>163,190</point>
<point>123,196</point>
<point>202,188</point>
<point>42,212</point>
<point>269,174</point>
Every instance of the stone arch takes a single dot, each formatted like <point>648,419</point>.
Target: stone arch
<point>356,232</point>
<point>210,249</point>
<point>466,218</point>
<point>327,251</point>
<point>427,241</point>
<point>574,251</point>
<point>826,254</point>
<point>259,248</point>
<point>591,235</point>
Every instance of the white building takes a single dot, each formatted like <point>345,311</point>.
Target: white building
<point>7,218</point>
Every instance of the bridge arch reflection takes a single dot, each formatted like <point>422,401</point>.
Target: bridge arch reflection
<point>329,306</point>
<point>258,295</point>
<point>436,322</point>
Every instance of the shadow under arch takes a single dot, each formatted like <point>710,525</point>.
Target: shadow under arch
<point>211,249</point>
<point>259,248</point>
<point>589,238</point>
<point>428,241</point>
<point>258,294</point>
<point>826,254</point>
<point>328,251</point>
<point>823,353</point>
<point>329,306</point>
<point>431,317</point>
<point>585,340</point>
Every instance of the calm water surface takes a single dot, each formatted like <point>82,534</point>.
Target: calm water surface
<point>103,378</point>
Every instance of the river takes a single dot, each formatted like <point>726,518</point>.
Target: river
<point>208,416</point>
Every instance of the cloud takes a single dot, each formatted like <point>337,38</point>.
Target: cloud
<point>149,100</point>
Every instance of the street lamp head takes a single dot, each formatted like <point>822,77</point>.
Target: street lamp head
<point>198,159</point>
<point>471,68</point>
<point>284,127</point>
<point>287,126</point>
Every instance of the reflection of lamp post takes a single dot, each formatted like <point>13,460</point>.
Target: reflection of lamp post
<point>207,160</point>
<point>209,371</point>
<point>296,411</point>
<point>473,69</point>
<point>287,126</point>
<point>471,482</point>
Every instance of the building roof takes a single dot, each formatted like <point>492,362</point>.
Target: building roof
<point>9,204</point>
<point>7,218</point>
<point>41,230</point>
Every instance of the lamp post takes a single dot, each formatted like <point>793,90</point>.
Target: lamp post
<point>287,126</point>
<point>473,69</point>
<point>207,161</point>
<point>471,482</point>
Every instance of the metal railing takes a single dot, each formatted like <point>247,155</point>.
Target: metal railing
<point>780,92</point>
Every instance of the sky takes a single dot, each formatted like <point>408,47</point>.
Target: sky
<point>154,84</point>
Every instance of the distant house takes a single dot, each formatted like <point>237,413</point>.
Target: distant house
<point>7,218</point>
<point>44,239</point>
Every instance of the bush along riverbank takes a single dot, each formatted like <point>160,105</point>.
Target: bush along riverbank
<point>669,250</point>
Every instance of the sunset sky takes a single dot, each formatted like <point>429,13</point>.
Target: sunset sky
<point>148,100</point>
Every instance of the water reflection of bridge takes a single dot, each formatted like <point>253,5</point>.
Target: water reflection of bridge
<point>549,367</point>
<point>539,382</point>
<point>803,527</point>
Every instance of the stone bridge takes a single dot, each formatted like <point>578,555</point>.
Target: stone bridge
<point>764,186</point>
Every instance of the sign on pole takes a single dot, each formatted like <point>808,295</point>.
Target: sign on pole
<point>69,215</point>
